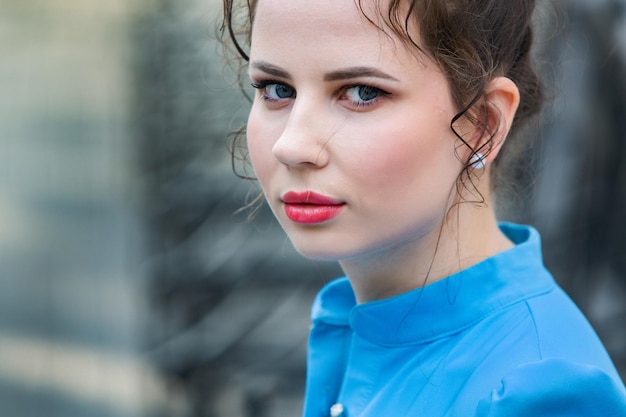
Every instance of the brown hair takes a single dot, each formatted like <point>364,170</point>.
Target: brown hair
<point>472,41</point>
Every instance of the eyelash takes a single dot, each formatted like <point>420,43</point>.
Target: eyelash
<point>380,93</point>
<point>262,86</point>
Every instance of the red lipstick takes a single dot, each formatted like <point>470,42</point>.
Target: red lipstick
<point>311,208</point>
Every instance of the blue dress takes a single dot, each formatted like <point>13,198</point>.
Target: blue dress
<point>499,339</point>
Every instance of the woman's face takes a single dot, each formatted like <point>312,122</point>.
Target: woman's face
<point>349,133</point>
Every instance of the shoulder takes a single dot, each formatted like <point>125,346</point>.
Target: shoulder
<point>556,387</point>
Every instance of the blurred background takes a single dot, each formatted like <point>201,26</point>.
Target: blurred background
<point>129,285</point>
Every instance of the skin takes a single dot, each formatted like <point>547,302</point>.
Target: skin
<point>388,153</point>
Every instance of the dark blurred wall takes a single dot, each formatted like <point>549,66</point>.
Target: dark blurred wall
<point>231,299</point>
<point>580,199</point>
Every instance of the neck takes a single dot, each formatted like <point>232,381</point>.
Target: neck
<point>467,235</point>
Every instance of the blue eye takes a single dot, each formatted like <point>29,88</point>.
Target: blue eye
<point>363,94</point>
<point>274,91</point>
<point>279,91</point>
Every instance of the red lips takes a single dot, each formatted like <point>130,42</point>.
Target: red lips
<point>311,208</point>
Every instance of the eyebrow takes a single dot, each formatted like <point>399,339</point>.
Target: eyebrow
<point>338,75</point>
<point>357,72</point>
<point>271,69</point>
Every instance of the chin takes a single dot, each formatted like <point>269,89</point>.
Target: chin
<point>319,251</point>
<point>329,251</point>
<point>315,254</point>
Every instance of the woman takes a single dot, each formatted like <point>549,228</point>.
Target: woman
<point>375,133</point>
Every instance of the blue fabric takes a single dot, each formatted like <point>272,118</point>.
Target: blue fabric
<point>497,339</point>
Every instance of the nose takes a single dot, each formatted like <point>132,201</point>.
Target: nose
<point>304,140</point>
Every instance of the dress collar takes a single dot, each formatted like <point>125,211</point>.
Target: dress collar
<point>446,306</point>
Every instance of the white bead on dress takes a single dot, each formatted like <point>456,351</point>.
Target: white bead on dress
<point>337,410</point>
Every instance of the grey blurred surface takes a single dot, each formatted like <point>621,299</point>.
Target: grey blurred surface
<point>129,285</point>
<point>72,289</point>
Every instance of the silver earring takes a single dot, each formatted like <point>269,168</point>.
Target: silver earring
<point>478,161</point>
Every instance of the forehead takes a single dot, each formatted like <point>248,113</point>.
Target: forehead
<point>313,36</point>
<point>323,11</point>
<point>317,22</point>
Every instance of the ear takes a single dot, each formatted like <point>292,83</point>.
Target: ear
<point>502,99</point>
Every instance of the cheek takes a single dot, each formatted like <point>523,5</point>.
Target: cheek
<point>400,153</point>
<point>260,143</point>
